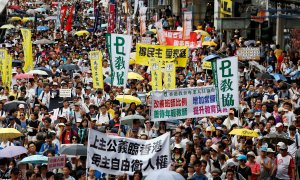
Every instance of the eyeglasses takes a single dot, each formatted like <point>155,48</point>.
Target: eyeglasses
<point>74,138</point>
<point>22,115</point>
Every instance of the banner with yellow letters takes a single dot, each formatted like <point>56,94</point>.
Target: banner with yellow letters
<point>170,76</point>
<point>96,65</point>
<point>156,74</point>
<point>146,52</point>
<point>27,47</point>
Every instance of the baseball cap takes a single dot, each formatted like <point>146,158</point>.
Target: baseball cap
<point>282,146</point>
<point>208,128</point>
<point>55,84</point>
<point>21,106</point>
<point>214,147</point>
<point>270,150</point>
<point>278,125</point>
<point>257,114</point>
<point>242,157</point>
<point>200,81</point>
<point>264,148</point>
<point>231,164</point>
<point>250,153</point>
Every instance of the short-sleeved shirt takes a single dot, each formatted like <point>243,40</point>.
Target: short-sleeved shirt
<point>245,172</point>
<point>284,166</point>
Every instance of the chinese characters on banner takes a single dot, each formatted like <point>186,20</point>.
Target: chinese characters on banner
<point>56,162</point>
<point>156,74</point>
<point>146,40</point>
<point>143,27</point>
<point>6,69</point>
<point>3,54</point>
<point>118,155</point>
<point>111,19</point>
<point>146,52</point>
<point>119,50</point>
<point>225,72</point>
<point>169,76</point>
<point>248,53</point>
<point>27,47</point>
<point>160,32</point>
<point>187,24</point>
<point>96,66</point>
<point>185,103</point>
<point>174,38</point>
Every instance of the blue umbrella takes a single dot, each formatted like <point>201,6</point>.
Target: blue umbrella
<point>42,28</point>
<point>35,159</point>
<point>12,151</point>
<point>210,57</point>
<point>279,77</point>
<point>40,9</point>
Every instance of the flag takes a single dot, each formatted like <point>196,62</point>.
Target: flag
<point>63,10</point>
<point>170,76</point>
<point>27,47</point>
<point>70,19</point>
<point>156,74</point>
<point>3,56</point>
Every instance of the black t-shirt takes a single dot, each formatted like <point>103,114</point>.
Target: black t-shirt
<point>245,172</point>
<point>34,124</point>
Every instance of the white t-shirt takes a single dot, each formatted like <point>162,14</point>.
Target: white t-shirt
<point>45,98</point>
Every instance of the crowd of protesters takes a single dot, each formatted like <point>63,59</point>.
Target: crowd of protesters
<point>201,148</point>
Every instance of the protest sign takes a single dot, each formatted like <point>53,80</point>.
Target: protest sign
<point>146,40</point>
<point>187,24</point>
<point>65,93</point>
<point>119,50</point>
<point>206,65</point>
<point>111,18</point>
<point>185,103</point>
<point>96,66</point>
<point>3,54</point>
<point>225,72</point>
<point>27,48</point>
<point>146,52</point>
<point>160,33</point>
<point>248,53</point>
<point>170,76</point>
<point>6,69</point>
<point>56,162</point>
<point>156,74</point>
<point>118,155</point>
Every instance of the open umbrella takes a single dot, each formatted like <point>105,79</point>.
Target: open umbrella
<point>14,19</point>
<point>16,63</point>
<point>128,99</point>
<point>7,26</point>
<point>74,149</point>
<point>42,28</point>
<point>13,105</point>
<point>50,18</point>
<point>35,159</point>
<point>38,72</point>
<point>164,174</point>
<point>81,33</point>
<point>23,76</point>
<point>210,57</point>
<point>48,71</point>
<point>274,138</point>
<point>244,132</point>
<point>264,76</point>
<point>149,32</point>
<point>30,12</point>
<point>9,133</point>
<point>25,19</point>
<point>209,43</point>
<point>43,41</point>
<point>133,75</point>
<point>278,77</point>
<point>203,33</point>
<point>256,65</point>
<point>40,10</point>
<point>14,7</point>
<point>127,120</point>
<point>12,151</point>
<point>69,67</point>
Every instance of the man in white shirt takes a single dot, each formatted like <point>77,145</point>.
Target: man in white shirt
<point>231,119</point>
<point>99,99</point>
<point>103,117</point>
<point>45,96</point>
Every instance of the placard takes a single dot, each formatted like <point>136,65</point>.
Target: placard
<point>56,162</point>
<point>146,40</point>
<point>65,93</point>
<point>248,53</point>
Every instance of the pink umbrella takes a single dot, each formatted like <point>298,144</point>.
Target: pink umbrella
<point>24,76</point>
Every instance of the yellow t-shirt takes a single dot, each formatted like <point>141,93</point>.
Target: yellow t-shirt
<point>277,52</point>
<point>111,112</point>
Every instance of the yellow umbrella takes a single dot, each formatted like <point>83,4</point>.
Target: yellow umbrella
<point>128,99</point>
<point>81,33</point>
<point>133,75</point>
<point>7,26</point>
<point>209,43</point>
<point>131,61</point>
<point>25,19</point>
<point>9,133</point>
<point>203,33</point>
<point>15,19</point>
<point>153,30</point>
<point>244,132</point>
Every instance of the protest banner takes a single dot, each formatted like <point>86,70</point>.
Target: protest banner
<point>185,103</point>
<point>206,65</point>
<point>3,54</point>
<point>65,93</point>
<point>173,34</point>
<point>56,162</point>
<point>248,53</point>
<point>187,24</point>
<point>27,48</point>
<point>111,19</point>
<point>170,76</point>
<point>7,70</point>
<point>118,155</point>
<point>143,28</point>
<point>119,50</point>
<point>146,52</point>
<point>96,66</point>
<point>225,73</point>
<point>146,40</point>
<point>156,74</point>
<point>160,33</point>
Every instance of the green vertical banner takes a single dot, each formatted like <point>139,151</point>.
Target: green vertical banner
<point>119,47</point>
<point>225,72</point>
<point>215,76</point>
<point>108,44</point>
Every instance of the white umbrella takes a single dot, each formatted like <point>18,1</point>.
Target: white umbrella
<point>31,11</point>
<point>164,174</point>
<point>257,65</point>
<point>12,151</point>
<point>39,72</point>
<point>127,120</point>
<point>51,18</point>
<point>43,41</point>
